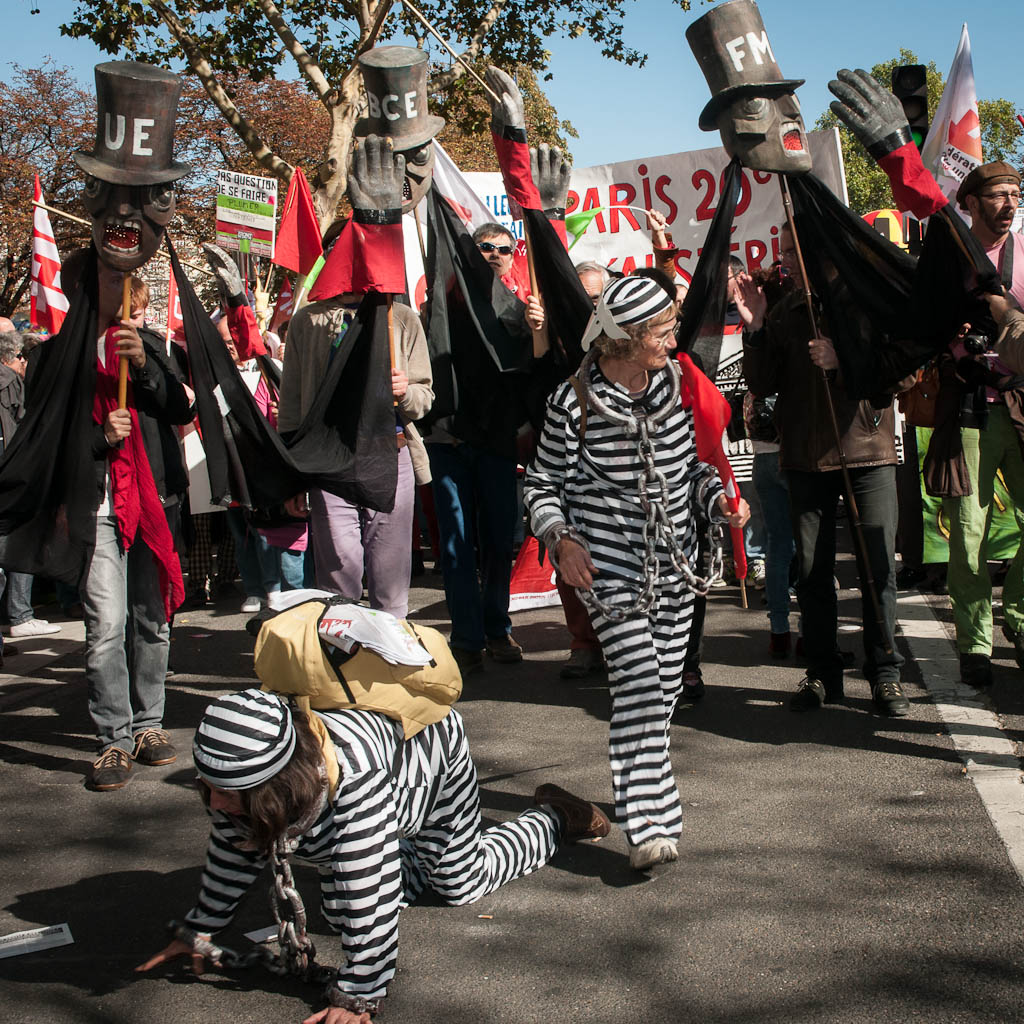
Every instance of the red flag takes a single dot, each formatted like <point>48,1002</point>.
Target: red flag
<point>298,244</point>
<point>48,303</point>
<point>175,324</point>
<point>710,418</point>
<point>283,306</point>
<point>365,258</point>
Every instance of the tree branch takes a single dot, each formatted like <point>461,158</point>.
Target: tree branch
<point>448,78</point>
<point>262,153</point>
<point>307,65</point>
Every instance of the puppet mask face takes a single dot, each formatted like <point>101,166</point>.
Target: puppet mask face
<point>419,165</point>
<point>128,221</point>
<point>766,133</point>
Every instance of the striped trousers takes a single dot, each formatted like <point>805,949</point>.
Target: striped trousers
<point>645,673</point>
<point>457,859</point>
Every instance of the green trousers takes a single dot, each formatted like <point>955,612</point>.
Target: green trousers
<point>970,589</point>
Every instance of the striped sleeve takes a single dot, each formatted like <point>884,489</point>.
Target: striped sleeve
<point>706,490</point>
<point>227,876</point>
<point>557,452</point>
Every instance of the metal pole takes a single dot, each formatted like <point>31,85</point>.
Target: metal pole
<point>851,503</point>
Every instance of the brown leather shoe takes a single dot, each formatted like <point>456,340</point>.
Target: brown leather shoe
<point>153,747</point>
<point>582,820</point>
<point>111,769</point>
<point>505,650</point>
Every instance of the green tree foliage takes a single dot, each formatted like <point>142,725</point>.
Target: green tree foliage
<point>1001,136</point>
<point>258,40</point>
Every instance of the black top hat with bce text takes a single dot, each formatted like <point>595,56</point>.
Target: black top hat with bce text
<point>732,49</point>
<point>136,105</point>
<point>395,79</point>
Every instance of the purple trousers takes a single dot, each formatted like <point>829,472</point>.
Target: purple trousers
<point>348,538</point>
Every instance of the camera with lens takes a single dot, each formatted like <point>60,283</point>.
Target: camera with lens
<point>976,343</point>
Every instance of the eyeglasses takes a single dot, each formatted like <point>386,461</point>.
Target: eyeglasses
<point>503,250</point>
<point>1002,197</point>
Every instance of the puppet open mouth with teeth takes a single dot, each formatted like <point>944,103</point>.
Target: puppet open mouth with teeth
<point>752,105</point>
<point>129,190</point>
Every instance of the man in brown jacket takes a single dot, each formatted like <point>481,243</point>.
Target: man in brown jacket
<point>781,354</point>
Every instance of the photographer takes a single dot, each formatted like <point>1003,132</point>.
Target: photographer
<point>976,435</point>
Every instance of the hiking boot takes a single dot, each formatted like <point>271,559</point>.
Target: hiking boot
<point>582,820</point>
<point>693,685</point>
<point>111,769</point>
<point>154,747</point>
<point>581,662</point>
<point>889,699</point>
<point>976,670</point>
<point>778,644</point>
<point>655,851</point>
<point>1017,639</point>
<point>505,650</point>
<point>813,693</point>
<point>468,661</point>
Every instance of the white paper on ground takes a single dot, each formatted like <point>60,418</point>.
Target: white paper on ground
<point>35,939</point>
<point>262,934</point>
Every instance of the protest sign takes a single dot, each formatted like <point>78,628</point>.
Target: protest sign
<point>246,213</point>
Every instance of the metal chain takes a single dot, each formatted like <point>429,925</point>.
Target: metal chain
<point>653,487</point>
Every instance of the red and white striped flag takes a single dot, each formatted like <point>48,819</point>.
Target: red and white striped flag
<point>49,305</point>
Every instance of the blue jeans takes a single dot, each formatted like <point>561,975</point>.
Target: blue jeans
<point>19,596</point>
<point>257,562</point>
<point>292,568</point>
<point>475,501</point>
<point>779,547</point>
<point>125,677</point>
<point>754,541</point>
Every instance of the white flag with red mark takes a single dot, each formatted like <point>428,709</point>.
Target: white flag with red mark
<point>175,323</point>
<point>283,306</point>
<point>49,305</point>
<point>953,147</point>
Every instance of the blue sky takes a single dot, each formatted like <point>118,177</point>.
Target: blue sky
<point>624,113</point>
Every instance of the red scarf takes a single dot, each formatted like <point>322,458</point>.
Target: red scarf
<point>136,503</point>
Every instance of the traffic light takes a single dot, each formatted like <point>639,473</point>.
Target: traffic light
<point>910,87</point>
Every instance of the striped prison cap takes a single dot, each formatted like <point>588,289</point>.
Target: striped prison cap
<point>625,301</point>
<point>243,740</point>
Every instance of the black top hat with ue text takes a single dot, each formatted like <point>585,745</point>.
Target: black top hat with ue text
<point>136,105</point>
<point>395,79</point>
<point>732,48</point>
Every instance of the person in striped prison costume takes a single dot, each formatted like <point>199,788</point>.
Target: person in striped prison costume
<point>587,507</point>
<point>383,817</point>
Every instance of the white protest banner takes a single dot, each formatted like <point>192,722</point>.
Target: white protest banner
<point>34,940</point>
<point>246,213</point>
<point>685,188</point>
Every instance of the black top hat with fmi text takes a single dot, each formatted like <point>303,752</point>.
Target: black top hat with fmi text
<point>733,50</point>
<point>136,105</point>
<point>395,79</point>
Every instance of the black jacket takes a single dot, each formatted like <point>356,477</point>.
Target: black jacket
<point>12,403</point>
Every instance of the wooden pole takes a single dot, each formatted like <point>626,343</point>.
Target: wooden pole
<point>122,368</point>
<point>541,341</point>
<point>851,503</point>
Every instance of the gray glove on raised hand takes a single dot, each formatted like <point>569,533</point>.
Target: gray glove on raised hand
<point>229,280</point>
<point>375,178</point>
<point>870,111</point>
<point>550,169</point>
<point>509,112</point>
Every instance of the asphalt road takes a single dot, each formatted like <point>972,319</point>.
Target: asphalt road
<point>835,867</point>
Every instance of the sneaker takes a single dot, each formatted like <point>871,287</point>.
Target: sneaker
<point>583,820</point>
<point>778,644</point>
<point>1017,639</point>
<point>111,769</point>
<point>812,694</point>
<point>581,663</point>
<point>468,661</point>
<point>197,599</point>
<point>889,698</point>
<point>153,747</point>
<point>34,627</point>
<point>976,670</point>
<point>505,650</point>
<point>251,605</point>
<point>655,851</point>
<point>693,685</point>
<point>756,574</point>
